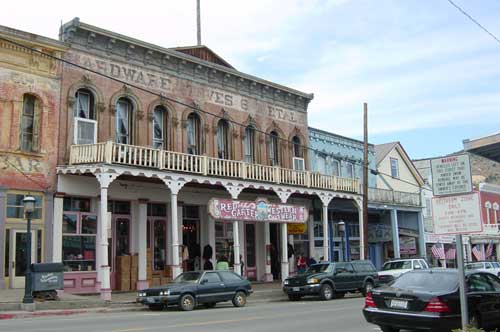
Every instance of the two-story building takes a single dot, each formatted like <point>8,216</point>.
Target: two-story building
<point>29,109</point>
<point>174,155</point>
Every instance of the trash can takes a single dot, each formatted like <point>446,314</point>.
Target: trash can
<point>46,278</point>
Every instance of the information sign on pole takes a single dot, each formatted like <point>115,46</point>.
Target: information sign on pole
<point>459,214</point>
<point>451,175</point>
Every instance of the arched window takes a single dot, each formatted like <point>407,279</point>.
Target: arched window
<point>84,105</point>
<point>193,134</point>
<point>250,154</point>
<point>223,139</point>
<point>124,110</point>
<point>297,148</point>
<point>85,129</point>
<point>273,149</point>
<point>29,123</point>
<point>160,128</point>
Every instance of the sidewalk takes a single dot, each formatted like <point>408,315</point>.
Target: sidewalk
<point>69,304</point>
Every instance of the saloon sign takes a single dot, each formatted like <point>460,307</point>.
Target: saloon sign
<point>259,210</point>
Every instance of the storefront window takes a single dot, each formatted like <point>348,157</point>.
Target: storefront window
<point>122,237</point>
<point>157,213</point>
<point>79,235</point>
<point>159,244</point>
<point>119,207</point>
<point>250,247</point>
<point>15,206</point>
<point>6,257</point>
<point>224,240</point>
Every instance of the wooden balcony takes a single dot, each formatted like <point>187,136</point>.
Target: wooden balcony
<point>139,156</point>
<point>393,197</point>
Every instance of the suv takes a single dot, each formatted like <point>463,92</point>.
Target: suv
<point>332,280</point>
<point>489,267</point>
<point>394,268</point>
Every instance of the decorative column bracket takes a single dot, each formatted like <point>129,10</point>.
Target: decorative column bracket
<point>175,183</point>
<point>326,198</point>
<point>105,179</point>
<point>234,188</point>
<point>283,194</point>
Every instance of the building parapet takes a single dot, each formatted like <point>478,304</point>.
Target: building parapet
<point>394,197</point>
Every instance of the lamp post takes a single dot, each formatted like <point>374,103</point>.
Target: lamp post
<point>341,226</point>
<point>29,207</point>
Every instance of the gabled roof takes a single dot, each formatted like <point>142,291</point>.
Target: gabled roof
<point>204,53</point>
<point>382,150</point>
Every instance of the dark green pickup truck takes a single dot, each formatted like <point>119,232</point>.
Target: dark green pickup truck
<point>332,280</point>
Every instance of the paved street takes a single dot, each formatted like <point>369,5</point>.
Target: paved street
<point>307,315</point>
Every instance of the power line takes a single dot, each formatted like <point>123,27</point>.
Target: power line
<point>474,20</point>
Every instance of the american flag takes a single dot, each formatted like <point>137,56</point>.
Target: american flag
<point>438,251</point>
<point>450,254</point>
<point>477,253</point>
<point>489,250</point>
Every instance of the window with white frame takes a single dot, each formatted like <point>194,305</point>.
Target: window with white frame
<point>85,129</point>
<point>273,148</point>
<point>193,134</point>
<point>223,139</point>
<point>124,121</point>
<point>160,127</point>
<point>335,167</point>
<point>15,206</point>
<point>250,154</point>
<point>29,123</point>
<point>349,170</point>
<point>394,168</point>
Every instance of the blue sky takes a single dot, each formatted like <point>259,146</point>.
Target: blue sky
<point>430,76</point>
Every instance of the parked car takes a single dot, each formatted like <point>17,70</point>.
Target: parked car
<point>332,280</point>
<point>202,287</point>
<point>394,268</point>
<point>490,267</point>
<point>429,300</point>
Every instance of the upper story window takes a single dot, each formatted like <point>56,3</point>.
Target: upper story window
<point>273,148</point>
<point>84,105</point>
<point>349,170</point>
<point>335,167</point>
<point>223,139</point>
<point>297,147</point>
<point>193,134</point>
<point>160,127</point>
<point>29,124</point>
<point>250,155</point>
<point>124,121</point>
<point>394,168</point>
<point>85,131</point>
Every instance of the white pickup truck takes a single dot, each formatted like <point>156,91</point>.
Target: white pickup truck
<point>394,268</point>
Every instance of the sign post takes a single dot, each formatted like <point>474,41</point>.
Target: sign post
<point>456,211</point>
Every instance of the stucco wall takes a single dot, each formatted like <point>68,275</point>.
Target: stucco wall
<point>385,181</point>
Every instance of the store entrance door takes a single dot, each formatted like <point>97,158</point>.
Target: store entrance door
<point>274,232</point>
<point>17,268</point>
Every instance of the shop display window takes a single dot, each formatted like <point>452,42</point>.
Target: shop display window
<point>224,240</point>
<point>15,206</point>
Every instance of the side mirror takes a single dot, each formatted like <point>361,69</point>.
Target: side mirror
<point>204,281</point>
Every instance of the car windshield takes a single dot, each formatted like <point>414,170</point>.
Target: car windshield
<point>191,277</point>
<point>397,265</point>
<point>317,268</point>
<point>427,281</point>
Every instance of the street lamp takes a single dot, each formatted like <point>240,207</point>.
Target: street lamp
<point>29,208</point>
<point>341,227</point>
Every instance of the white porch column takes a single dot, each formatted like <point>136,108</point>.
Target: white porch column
<point>176,267</point>
<point>57,229</point>
<point>284,252</point>
<point>326,235</point>
<point>142,280</point>
<point>291,261</point>
<point>421,236</point>
<point>310,236</point>
<point>395,233</point>
<point>243,248</point>
<point>236,247</point>
<point>105,180</point>
<point>268,276</point>
<point>211,238</point>
<point>361,231</point>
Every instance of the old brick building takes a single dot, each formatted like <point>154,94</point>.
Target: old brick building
<point>29,118</point>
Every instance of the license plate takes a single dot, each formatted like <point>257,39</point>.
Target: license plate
<point>150,300</point>
<point>399,304</point>
<point>296,289</point>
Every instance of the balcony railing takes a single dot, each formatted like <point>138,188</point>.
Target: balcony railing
<point>393,197</point>
<point>131,155</point>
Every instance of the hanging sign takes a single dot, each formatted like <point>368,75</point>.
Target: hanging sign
<point>296,229</point>
<point>407,245</point>
<point>259,210</point>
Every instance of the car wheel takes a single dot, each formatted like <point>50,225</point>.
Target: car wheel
<point>156,307</point>
<point>294,297</point>
<point>210,305</point>
<point>326,292</point>
<point>239,299</point>
<point>475,320</point>
<point>385,328</point>
<point>368,288</point>
<point>187,302</point>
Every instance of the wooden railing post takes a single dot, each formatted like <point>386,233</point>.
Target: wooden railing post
<point>161,159</point>
<point>204,165</point>
<point>308,179</point>
<point>243,170</point>
<point>71,154</point>
<point>277,177</point>
<point>108,152</point>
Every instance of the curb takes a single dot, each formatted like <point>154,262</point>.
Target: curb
<point>65,312</point>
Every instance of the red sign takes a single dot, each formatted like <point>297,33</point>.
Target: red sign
<point>259,210</point>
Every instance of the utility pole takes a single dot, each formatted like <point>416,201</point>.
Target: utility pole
<point>198,21</point>
<point>365,181</point>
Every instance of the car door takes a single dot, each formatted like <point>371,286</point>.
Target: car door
<point>361,271</point>
<point>495,294</point>
<point>211,288</point>
<point>232,282</point>
<point>481,295</point>
<point>343,276</point>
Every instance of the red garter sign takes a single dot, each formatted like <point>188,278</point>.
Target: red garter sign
<point>259,210</point>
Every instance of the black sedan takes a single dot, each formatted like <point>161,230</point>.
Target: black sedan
<point>429,300</point>
<point>192,288</point>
